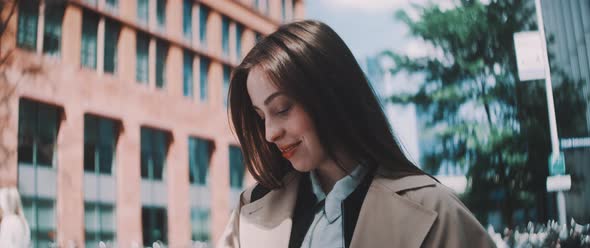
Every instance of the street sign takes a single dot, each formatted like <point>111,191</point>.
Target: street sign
<point>529,55</point>
<point>578,142</point>
<point>559,183</point>
<point>556,164</point>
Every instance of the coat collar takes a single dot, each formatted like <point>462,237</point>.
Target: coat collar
<point>386,217</point>
<point>398,184</point>
<point>275,206</point>
<point>267,221</point>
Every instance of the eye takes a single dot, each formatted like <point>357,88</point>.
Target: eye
<point>284,110</point>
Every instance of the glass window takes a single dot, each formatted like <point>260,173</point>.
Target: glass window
<point>143,11</point>
<point>161,13</point>
<point>142,65</point>
<point>203,78</point>
<point>199,158</point>
<point>37,133</point>
<point>111,38</point>
<point>99,223</point>
<point>161,54</point>
<point>47,134</point>
<point>28,17</point>
<point>199,155</point>
<point>154,148</point>
<point>200,223</point>
<point>91,144</point>
<point>89,36</point>
<point>40,215</point>
<point>54,13</point>
<point>225,36</point>
<point>112,4</point>
<point>100,136</point>
<point>239,32</point>
<point>154,225</point>
<point>99,144</point>
<point>187,74</point>
<point>226,77</point>
<point>236,167</point>
<point>187,19</point>
<point>28,131</point>
<point>203,16</point>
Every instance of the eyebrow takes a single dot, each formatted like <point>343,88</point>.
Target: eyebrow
<point>270,98</point>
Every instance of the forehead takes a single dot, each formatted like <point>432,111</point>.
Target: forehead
<point>259,87</point>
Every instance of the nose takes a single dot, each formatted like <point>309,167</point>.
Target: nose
<point>273,131</point>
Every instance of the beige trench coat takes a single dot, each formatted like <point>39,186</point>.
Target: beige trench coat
<point>412,211</point>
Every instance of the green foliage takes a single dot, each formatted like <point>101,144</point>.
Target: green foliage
<point>478,114</point>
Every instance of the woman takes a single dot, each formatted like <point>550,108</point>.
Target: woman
<point>329,170</point>
<point>14,230</point>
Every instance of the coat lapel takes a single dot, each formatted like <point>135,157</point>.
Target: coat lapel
<point>267,222</point>
<point>387,219</point>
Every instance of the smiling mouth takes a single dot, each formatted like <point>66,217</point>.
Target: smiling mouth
<point>289,151</point>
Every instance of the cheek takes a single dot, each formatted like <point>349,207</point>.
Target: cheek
<point>306,129</point>
<point>302,125</point>
<point>313,145</point>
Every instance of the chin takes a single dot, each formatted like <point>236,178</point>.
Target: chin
<point>302,167</point>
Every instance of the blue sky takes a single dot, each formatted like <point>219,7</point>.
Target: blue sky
<point>369,26</point>
<point>367,29</point>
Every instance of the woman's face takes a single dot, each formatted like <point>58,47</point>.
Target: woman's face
<point>286,124</point>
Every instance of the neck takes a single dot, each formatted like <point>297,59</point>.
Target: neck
<point>329,173</point>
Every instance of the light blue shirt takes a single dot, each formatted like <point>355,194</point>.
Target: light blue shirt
<point>326,229</point>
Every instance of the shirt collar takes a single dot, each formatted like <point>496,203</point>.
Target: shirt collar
<point>342,188</point>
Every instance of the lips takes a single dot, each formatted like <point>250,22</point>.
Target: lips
<point>289,150</point>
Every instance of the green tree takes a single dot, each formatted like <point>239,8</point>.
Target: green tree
<point>479,115</point>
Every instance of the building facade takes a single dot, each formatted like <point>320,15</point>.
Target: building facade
<point>567,27</point>
<point>114,116</point>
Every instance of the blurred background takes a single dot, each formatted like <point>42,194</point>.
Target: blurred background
<point>114,112</point>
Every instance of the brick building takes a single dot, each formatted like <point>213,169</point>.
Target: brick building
<point>114,118</point>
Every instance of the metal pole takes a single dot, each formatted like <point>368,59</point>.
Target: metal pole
<point>550,106</point>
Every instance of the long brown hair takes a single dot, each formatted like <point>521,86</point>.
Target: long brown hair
<point>310,63</point>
